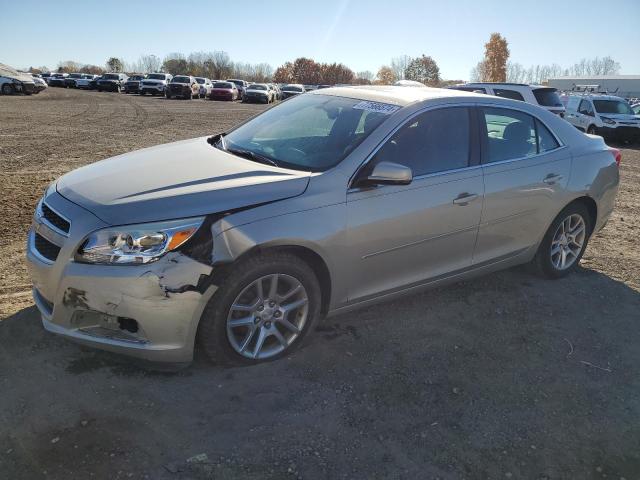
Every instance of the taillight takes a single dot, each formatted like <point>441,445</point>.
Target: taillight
<point>616,154</point>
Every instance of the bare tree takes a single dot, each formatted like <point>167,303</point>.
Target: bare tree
<point>479,73</point>
<point>399,66</point>
<point>366,75</point>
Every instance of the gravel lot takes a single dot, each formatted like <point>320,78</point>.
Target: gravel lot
<point>508,376</point>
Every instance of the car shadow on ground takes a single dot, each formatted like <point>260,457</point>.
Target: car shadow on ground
<point>505,374</point>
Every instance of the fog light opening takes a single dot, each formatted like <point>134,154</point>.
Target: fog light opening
<point>128,324</point>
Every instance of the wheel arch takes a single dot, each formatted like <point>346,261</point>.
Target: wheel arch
<point>307,255</point>
<point>591,206</point>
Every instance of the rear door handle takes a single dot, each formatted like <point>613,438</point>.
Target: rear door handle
<point>465,198</point>
<point>552,178</point>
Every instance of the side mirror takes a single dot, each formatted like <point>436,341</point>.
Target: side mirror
<point>389,173</point>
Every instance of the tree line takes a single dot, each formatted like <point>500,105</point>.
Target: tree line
<point>494,67</point>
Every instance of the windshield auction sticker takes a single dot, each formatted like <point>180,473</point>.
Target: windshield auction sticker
<point>384,108</point>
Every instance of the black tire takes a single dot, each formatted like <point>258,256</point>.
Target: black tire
<point>212,330</point>
<point>141,92</point>
<point>543,259</point>
<point>591,130</point>
<point>168,96</point>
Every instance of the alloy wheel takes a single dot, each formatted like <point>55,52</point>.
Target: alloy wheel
<point>267,316</point>
<point>568,241</point>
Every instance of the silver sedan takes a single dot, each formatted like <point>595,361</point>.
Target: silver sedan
<point>330,201</point>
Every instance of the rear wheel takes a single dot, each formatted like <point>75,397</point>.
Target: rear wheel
<point>263,311</point>
<point>565,242</point>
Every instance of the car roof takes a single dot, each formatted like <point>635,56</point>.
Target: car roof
<point>401,96</point>
<point>598,97</point>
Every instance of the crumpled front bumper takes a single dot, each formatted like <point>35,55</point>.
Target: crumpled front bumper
<point>147,311</point>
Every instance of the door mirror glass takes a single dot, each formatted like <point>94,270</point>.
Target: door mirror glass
<point>389,173</point>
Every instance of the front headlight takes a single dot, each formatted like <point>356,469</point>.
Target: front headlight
<point>136,244</point>
<point>608,121</point>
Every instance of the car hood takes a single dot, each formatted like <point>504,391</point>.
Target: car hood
<point>619,116</point>
<point>176,180</point>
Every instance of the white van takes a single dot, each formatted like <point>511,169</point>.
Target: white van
<point>609,116</point>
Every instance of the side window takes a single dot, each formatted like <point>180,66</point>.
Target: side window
<point>435,141</point>
<point>510,134</point>
<point>585,108</point>
<point>546,141</point>
<point>504,93</point>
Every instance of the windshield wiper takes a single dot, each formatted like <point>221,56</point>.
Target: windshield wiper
<point>256,157</point>
<point>218,141</point>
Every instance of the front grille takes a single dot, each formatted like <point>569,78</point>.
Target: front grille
<point>54,219</point>
<point>45,248</point>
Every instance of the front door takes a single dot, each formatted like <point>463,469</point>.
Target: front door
<point>401,235</point>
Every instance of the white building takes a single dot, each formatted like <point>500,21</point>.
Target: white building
<point>628,85</point>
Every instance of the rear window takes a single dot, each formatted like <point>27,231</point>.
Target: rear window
<point>547,97</point>
<point>222,85</point>
<point>505,93</point>
<point>110,76</point>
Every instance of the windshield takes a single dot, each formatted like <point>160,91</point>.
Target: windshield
<point>547,97</point>
<point>180,80</point>
<point>291,89</point>
<point>110,76</point>
<point>75,75</point>
<point>309,132</point>
<point>256,87</point>
<point>156,76</point>
<point>612,106</point>
<point>222,85</point>
<point>136,77</point>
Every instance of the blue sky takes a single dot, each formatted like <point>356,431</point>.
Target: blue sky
<point>362,34</point>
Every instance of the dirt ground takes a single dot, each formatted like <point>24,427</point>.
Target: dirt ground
<point>508,376</point>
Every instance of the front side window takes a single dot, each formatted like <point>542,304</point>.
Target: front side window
<point>432,142</point>
<point>510,134</point>
<point>504,93</point>
<point>585,108</point>
<point>546,141</point>
<point>308,132</point>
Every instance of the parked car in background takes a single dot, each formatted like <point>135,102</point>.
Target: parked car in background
<point>40,84</point>
<point>325,203</point>
<point>258,93</point>
<point>241,85</point>
<point>12,81</point>
<point>545,97</point>
<point>70,81</point>
<point>606,115</point>
<point>205,86</point>
<point>111,82</point>
<point>224,91</point>
<point>155,83</point>
<point>87,82</point>
<point>636,108</point>
<point>292,90</point>
<point>320,87</point>
<point>57,79</point>
<point>45,76</point>
<point>132,85</point>
<point>183,86</point>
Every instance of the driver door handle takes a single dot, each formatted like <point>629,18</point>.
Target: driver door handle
<point>552,178</point>
<point>465,198</point>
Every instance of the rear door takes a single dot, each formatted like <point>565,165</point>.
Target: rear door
<point>525,172</point>
<point>401,235</point>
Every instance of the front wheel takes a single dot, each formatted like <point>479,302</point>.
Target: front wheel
<point>263,311</point>
<point>591,130</point>
<point>565,242</point>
